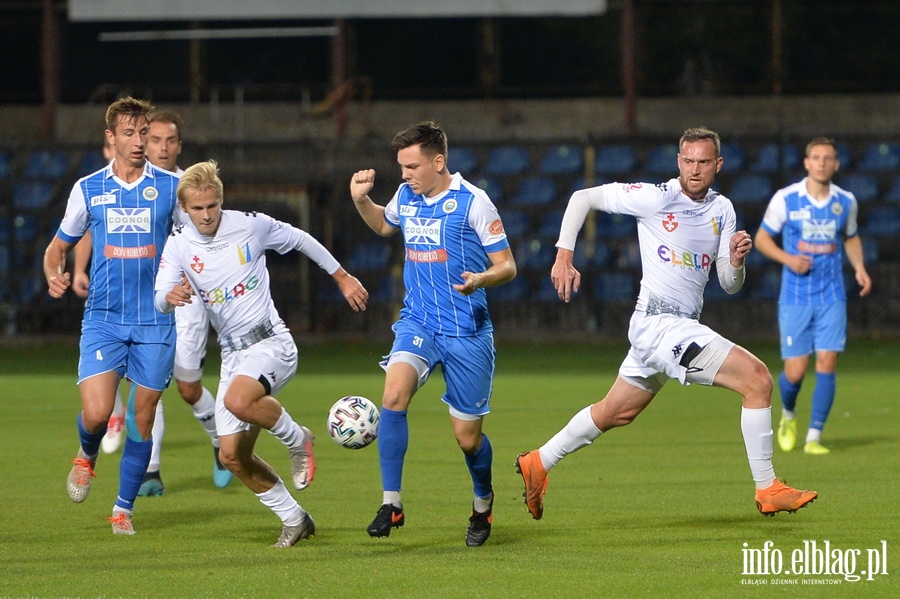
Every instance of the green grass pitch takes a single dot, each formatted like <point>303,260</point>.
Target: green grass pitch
<point>661,508</point>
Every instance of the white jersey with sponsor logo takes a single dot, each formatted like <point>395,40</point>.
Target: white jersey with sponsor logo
<point>679,239</point>
<point>228,270</point>
<point>445,236</point>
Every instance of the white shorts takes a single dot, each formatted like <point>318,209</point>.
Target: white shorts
<point>658,344</point>
<point>191,337</point>
<point>273,360</point>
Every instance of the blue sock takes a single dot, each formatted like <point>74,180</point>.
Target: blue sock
<point>788,391</point>
<point>393,439</point>
<point>90,442</point>
<point>822,399</point>
<point>135,459</point>
<point>479,465</point>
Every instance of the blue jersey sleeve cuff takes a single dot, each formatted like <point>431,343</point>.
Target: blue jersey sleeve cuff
<point>497,247</point>
<point>68,238</point>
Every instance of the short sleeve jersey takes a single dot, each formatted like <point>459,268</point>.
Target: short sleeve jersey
<point>815,228</point>
<point>679,239</point>
<point>129,223</point>
<point>445,236</point>
<point>228,270</point>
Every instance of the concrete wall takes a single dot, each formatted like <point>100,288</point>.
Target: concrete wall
<point>797,116</point>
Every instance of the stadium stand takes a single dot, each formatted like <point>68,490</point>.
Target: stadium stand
<point>880,157</point>
<point>775,158</point>
<point>663,160</point>
<point>47,164</point>
<point>751,189</point>
<point>507,160</point>
<point>615,159</point>
<point>535,191</point>
<point>562,160</point>
<point>732,158</point>
<point>862,185</point>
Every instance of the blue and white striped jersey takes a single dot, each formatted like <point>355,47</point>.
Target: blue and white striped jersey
<point>445,236</point>
<point>129,223</point>
<point>816,228</point>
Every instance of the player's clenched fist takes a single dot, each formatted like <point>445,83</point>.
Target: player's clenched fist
<point>361,184</point>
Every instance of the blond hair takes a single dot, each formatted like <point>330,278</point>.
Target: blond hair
<point>200,177</point>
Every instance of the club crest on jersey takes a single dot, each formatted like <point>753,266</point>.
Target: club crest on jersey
<point>244,254</point>
<point>669,223</point>
<point>450,206</point>
<point>150,193</point>
<point>100,200</point>
<point>197,265</point>
<point>837,209</point>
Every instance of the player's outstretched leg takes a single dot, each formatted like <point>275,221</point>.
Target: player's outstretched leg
<point>291,534</point>
<point>389,516</point>
<point>303,461</point>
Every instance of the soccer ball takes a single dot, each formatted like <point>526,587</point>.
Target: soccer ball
<point>353,422</point>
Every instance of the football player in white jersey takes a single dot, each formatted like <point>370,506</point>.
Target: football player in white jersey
<point>683,228</point>
<point>455,247</point>
<point>219,261</point>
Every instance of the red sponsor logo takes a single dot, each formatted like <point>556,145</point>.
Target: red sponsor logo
<point>496,227</point>
<point>140,251</point>
<point>439,255</point>
<point>816,248</point>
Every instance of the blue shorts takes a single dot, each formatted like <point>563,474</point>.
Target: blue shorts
<point>467,364</point>
<point>805,329</point>
<point>143,353</point>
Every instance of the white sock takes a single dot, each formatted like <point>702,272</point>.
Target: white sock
<point>282,503</point>
<point>159,430</point>
<point>813,435</point>
<point>788,414</point>
<point>286,430</point>
<point>205,413</point>
<point>482,504</point>
<point>392,497</point>
<point>756,426</point>
<point>579,431</point>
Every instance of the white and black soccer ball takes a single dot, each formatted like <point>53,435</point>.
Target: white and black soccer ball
<point>353,422</point>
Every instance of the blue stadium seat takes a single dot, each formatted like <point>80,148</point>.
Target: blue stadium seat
<point>26,227</point>
<point>581,183</point>
<point>893,194</point>
<point>663,160</point>
<point>616,159</point>
<point>732,158</point>
<point>369,256</point>
<point>880,157</point>
<point>549,223</point>
<point>47,164</point>
<point>775,158</point>
<point>91,162</point>
<point>882,221</point>
<point>546,291</point>
<point>870,255</point>
<point>507,160</point>
<point>515,222</point>
<point>463,160</point>
<point>492,187</point>
<point>535,254</point>
<point>535,191</point>
<point>614,286</point>
<point>749,189</point>
<point>845,156</point>
<point>515,291</point>
<point>767,284</point>
<point>33,195</point>
<point>562,160</point>
<point>714,291</point>
<point>864,186</point>
<point>595,254</point>
<point>4,165</point>
<point>615,225</point>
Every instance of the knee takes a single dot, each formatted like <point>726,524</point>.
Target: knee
<point>230,459</point>
<point>240,406</point>
<point>760,386</point>
<point>190,392</point>
<point>396,400</point>
<point>469,443</point>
